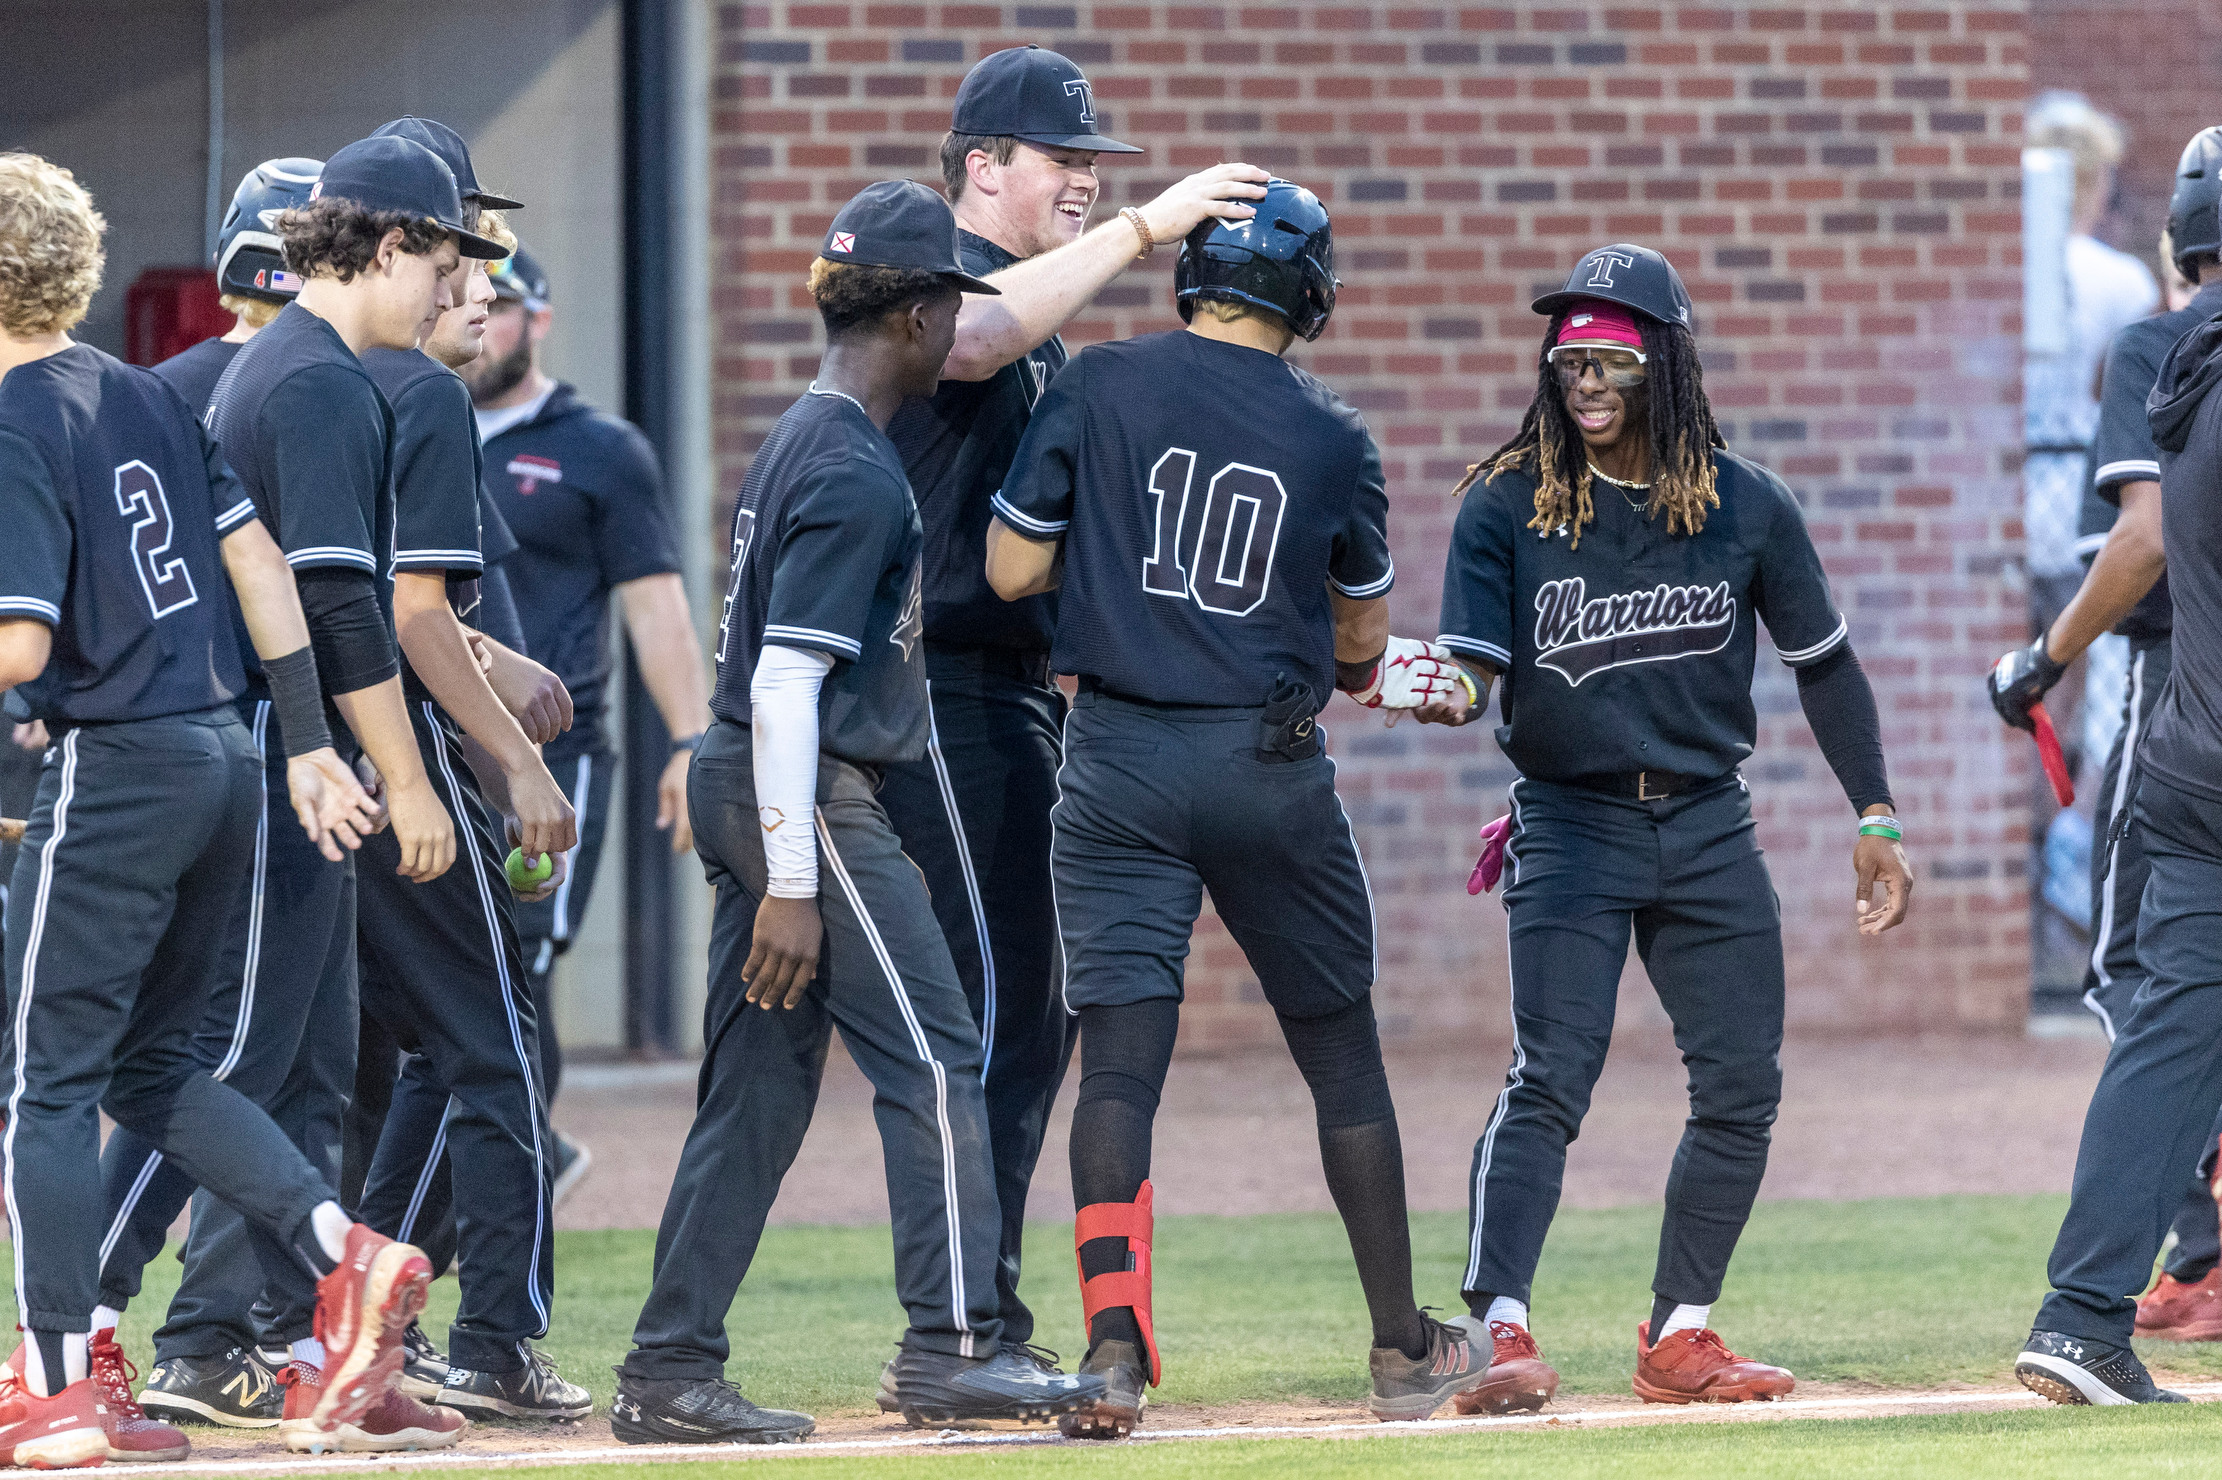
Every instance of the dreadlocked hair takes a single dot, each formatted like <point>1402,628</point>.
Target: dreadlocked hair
<point>1683,435</point>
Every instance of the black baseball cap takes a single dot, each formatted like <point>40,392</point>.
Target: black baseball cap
<point>390,173</point>
<point>899,223</point>
<point>1036,95</point>
<point>454,153</point>
<point>518,279</point>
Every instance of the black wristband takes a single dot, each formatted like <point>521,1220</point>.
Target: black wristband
<point>686,742</point>
<point>1351,677</point>
<point>299,700</point>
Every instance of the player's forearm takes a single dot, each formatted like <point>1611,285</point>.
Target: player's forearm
<point>1839,705</point>
<point>670,654</point>
<point>1361,627</point>
<point>268,599</point>
<point>1039,296</point>
<point>440,654</point>
<point>25,645</point>
<point>2128,564</point>
<point>493,782</point>
<point>379,718</point>
<point>1019,567</point>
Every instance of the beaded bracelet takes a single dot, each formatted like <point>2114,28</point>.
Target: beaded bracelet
<point>1880,827</point>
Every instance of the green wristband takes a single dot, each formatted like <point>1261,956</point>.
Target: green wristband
<point>1880,827</point>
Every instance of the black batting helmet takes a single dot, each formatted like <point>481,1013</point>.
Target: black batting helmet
<point>250,257</point>
<point>2195,209</point>
<point>1283,259</point>
<point>1631,276</point>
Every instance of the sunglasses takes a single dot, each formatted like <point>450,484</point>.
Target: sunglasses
<point>1615,367</point>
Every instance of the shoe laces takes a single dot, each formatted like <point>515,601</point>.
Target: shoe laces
<point>1040,1356</point>
<point>1708,1337</point>
<point>113,1373</point>
<point>1513,1342</point>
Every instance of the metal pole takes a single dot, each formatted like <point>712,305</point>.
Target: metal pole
<point>650,920</point>
<point>215,206</point>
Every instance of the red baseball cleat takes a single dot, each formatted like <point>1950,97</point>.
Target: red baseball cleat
<point>2174,1311</point>
<point>395,1421</point>
<point>68,1431</point>
<point>362,1308</point>
<point>1519,1379</point>
<point>132,1436</point>
<point>1698,1367</point>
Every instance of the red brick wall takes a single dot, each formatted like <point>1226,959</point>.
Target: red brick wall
<point>1837,187</point>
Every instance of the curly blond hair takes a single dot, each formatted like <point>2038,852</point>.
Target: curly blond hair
<point>50,253</point>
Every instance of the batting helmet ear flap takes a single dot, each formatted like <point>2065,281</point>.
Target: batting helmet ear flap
<point>250,256</point>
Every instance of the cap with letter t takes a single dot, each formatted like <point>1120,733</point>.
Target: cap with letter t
<point>1032,94</point>
<point>900,223</point>
<point>390,173</point>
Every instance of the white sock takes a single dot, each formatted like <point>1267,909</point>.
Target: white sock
<point>1512,1312</point>
<point>1685,1318</point>
<point>34,1367</point>
<point>308,1349</point>
<point>106,1318</point>
<point>76,1363</point>
<point>331,1225</point>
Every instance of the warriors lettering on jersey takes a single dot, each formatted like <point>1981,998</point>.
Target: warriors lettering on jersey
<point>1577,635</point>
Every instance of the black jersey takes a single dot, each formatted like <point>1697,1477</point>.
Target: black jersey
<point>825,557</point>
<point>1633,650</point>
<point>2182,744</point>
<point>582,493</point>
<point>112,501</point>
<point>957,445</point>
<point>1208,495</point>
<point>436,483</point>
<point>193,373</point>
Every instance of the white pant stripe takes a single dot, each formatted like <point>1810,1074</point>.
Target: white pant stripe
<point>33,941</point>
<point>2102,935</point>
<point>579,791</point>
<point>971,885</point>
<point>1513,1079</point>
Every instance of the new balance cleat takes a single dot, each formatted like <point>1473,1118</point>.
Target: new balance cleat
<point>1007,1390</point>
<point>1519,1379</point>
<point>1125,1370</point>
<point>534,1390</point>
<point>395,1422</point>
<point>423,1370</point>
<point>698,1410</point>
<point>133,1438</point>
<point>362,1307</point>
<point>235,1390</point>
<point>68,1431</point>
<point>2175,1311</point>
<point>1698,1367</point>
<point>1406,1388</point>
<point>2070,1370</point>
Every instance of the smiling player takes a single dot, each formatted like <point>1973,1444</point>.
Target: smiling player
<point>1608,562</point>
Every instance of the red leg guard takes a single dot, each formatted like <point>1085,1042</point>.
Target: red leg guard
<point>1129,1287</point>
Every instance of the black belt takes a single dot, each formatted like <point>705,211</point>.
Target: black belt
<point>1643,786</point>
<point>1009,662</point>
<point>2056,449</point>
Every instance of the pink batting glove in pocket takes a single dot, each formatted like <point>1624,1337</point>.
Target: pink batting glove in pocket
<point>1490,866</point>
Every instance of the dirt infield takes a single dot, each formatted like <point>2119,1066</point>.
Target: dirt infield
<point>1881,1117</point>
<point>515,1447</point>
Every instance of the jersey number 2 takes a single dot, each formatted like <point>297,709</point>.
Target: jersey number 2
<point>163,576</point>
<point>1221,556</point>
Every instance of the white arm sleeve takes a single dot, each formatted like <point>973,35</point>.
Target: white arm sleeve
<point>783,725</point>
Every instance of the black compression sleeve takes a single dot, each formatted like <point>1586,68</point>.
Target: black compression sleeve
<point>1840,707</point>
<point>354,646</point>
<point>294,693</point>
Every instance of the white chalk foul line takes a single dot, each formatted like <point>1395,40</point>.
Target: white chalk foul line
<point>465,1458</point>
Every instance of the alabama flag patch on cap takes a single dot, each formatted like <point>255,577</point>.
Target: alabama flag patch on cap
<point>844,241</point>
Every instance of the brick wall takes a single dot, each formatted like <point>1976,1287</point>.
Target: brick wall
<point>1837,187</point>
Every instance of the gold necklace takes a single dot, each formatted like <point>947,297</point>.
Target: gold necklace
<point>1625,488</point>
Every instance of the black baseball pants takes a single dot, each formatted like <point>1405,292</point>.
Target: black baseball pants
<point>974,816</point>
<point>279,1028</point>
<point>885,980</point>
<point>545,926</point>
<point>443,974</point>
<point>1686,877</point>
<point>2151,1116</point>
<point>140,838</point>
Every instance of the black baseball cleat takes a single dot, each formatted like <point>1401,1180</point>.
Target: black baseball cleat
<point>698,1410</point>
<point>2069,1369</point>
<point>235,1390</point>
<point>424,1371</point>
<point>1007,1390</point>
<point>535,1390</point>
<point>1125,1370</point>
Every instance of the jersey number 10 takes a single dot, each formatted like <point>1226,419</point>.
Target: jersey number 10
<point>1217,550</point>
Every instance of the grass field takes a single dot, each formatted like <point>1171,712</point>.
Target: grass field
<point>1898,1294</point>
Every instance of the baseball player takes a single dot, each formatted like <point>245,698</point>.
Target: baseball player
<point>304,426</point>
<point>2126,591</point>
<point>252,280</point>
<point>2152,1114</point>
<point>1019,166</point>
<point>123,525</point>
<point>583,492</point>
<point>1217,519</point>
<point>1611,563</point>
<point>821,920</point>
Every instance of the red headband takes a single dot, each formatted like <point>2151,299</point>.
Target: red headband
<point>1595,319</point>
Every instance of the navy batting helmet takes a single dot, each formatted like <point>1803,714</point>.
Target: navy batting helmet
<point>250,257</point>
<point>2195,209</point>
<point>1283,259</point>
<point>1631,276</point>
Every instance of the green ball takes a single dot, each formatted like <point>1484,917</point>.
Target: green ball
<point>525,880</point>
